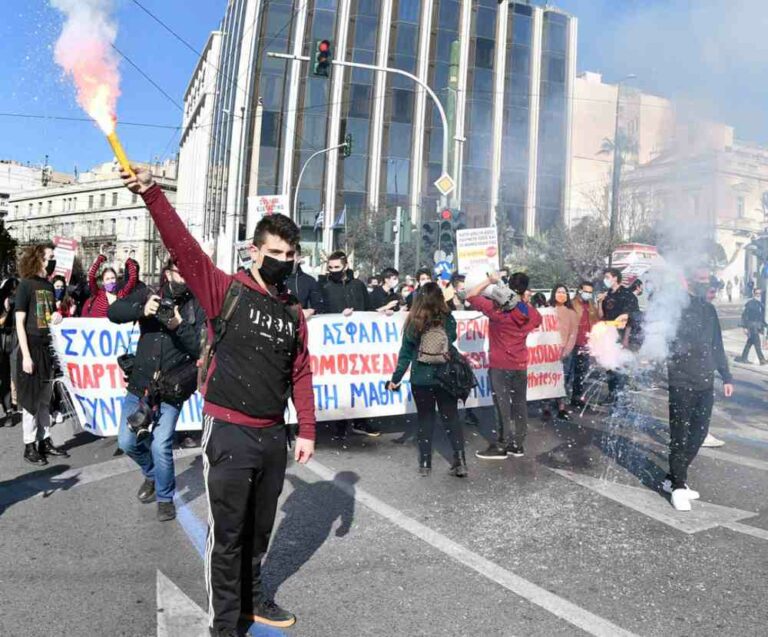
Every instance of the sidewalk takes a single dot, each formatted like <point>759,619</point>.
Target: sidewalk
<point>734,340</point>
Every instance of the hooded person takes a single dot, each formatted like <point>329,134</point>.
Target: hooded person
<point>696,353</point>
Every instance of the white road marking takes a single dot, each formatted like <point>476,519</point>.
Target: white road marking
<point>704,515</point>
<point>177,614</point>
<point>552,603</point>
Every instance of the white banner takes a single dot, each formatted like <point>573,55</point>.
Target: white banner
<point>351,358</point>
<point>477,249</point>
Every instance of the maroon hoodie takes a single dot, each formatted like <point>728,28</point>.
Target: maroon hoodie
<point>209,286</point>
<point>507,332</point>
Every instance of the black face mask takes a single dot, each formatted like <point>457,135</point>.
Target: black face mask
<point>58,293</point>
<point>700,289</point>
<point>337,277</point>
<point>50,266</point>
<point>275,272</point>
<point>177,290</point>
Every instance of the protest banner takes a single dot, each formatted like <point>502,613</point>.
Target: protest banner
<point>64,253</point>
<point>477,249</point>
<point>351,359</point>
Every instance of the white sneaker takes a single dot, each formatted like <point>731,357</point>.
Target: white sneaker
<point>711,441</point>
<point>666,487</point>
<point>680,500</point>
<point>58,418</point>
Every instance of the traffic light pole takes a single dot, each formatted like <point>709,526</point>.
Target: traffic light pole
<point>420,82</point>
<point>295,209</point>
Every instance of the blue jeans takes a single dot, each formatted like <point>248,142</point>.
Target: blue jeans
<point>154,454</point>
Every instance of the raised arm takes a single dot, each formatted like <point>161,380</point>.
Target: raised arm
<point>205,280</point>
<point>93,271</point>
<point>133,278</point>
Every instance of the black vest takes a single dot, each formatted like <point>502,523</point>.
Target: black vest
<point>254,359</point>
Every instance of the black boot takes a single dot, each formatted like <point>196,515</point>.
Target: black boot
<point>459,465</point>
<point>425,464</point>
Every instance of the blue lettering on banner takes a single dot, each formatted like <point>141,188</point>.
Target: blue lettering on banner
<point>326,397</point>
<point>392,333</point>
<point>104,343</point>
<point>483,388</point>
<point>102,413</point>
<point>192,410</point>
<point>376,393</point>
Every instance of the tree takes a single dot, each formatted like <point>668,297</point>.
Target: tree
<point>364,240</point>
<point>7,252</point>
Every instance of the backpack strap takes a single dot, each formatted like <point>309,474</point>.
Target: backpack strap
<point>208,348</point>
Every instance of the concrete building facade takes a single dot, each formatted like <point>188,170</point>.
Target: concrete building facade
<point>98,212</point>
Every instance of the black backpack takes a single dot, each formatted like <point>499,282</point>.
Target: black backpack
<point>456,376</point>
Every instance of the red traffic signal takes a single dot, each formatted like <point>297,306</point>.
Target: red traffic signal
<point>446,214</point>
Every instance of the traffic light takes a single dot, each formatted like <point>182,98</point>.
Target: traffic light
<point>428,237</point>
<point>322,64</point>
<point>389,231</point>
<point>347,149</point>
<point>459,221</point>
<point>446,238</point>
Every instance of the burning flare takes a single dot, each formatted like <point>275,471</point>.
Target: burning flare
<point>84,51</point>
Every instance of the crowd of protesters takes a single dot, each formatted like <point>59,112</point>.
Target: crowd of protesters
<point>242,339</point>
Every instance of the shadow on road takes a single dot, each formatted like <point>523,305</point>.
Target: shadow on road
<point>310,513</point>
<point>43,481</point>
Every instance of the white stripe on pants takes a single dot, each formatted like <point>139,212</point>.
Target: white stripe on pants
<point>37,427</point>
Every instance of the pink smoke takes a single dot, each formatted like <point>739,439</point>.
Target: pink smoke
<point>84,51</point>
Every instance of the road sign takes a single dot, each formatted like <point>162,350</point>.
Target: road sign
<point>443,269</point>
<point>477,249</point>
<point>439,256</point>
<point>445,184</point>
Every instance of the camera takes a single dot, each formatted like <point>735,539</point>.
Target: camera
<point>140,420</point>
<point>166,311</point>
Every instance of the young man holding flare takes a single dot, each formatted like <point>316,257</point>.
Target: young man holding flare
<point>260,360</point>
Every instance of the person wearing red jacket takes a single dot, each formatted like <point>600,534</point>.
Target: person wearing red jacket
<point>508,328</point>
<point>260,359</point>
<point>102,297</point>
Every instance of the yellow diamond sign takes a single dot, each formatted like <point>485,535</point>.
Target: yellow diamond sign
<point>445,184</point>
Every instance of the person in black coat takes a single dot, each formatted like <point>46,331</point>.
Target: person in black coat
<point>753,323</point>
<point>306,289</point>
<point>384,297</point>
<point>171,324</point>
<point>695,354</point>
<point>343,293</point>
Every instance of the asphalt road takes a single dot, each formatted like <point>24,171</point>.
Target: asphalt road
<point>573,539</point>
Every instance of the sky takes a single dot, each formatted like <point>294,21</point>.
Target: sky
<point>713,54</point>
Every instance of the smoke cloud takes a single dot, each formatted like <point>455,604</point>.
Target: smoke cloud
<point>84,51</point>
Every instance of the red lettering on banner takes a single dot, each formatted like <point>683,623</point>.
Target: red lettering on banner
<point>73,369</point>
<point>472,329</point>
<point>353,364</point>
<point>544,354</point>
<point>549,323</point>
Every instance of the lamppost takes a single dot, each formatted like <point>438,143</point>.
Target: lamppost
<point>616,182</point>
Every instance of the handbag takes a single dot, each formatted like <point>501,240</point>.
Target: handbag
<point>456,376</point>
<point>177,384</point>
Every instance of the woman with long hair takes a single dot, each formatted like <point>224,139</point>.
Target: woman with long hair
<point>65,304</point>
<point>102,297</point>
<point>568,326</point>
<point>428,335</point>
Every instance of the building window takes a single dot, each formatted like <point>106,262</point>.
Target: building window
<point>50,206</point>
<point>113,224</point>
<point>114,199</point>
<point>102,200</point>
<point>74,203</point>
<point>740,207</point>
<point>90,202</point>
<point>39,207</point>
<point>134,198</point>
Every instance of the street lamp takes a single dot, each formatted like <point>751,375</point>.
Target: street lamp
<point>616,181</point>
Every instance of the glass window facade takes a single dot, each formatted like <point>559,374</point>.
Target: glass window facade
<point>550,188</point>
<point>275,30</point>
